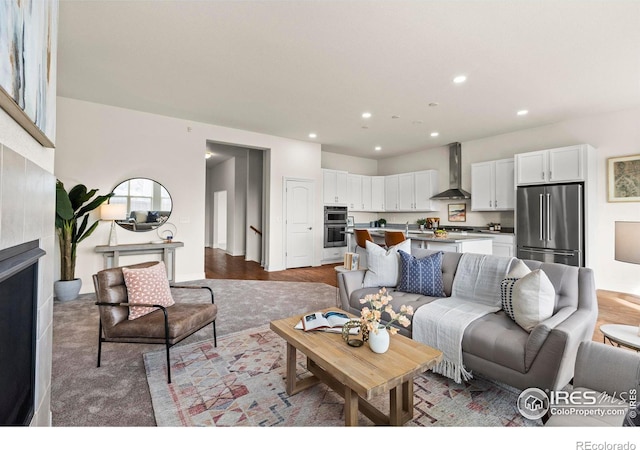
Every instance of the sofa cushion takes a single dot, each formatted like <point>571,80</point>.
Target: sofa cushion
<point>533,299</point>
<point>153,216</point>
<point>383,264</point>
<point>496,338</point>
<point>421,276</point>
<point>140,216</point>
<point>147,285</point>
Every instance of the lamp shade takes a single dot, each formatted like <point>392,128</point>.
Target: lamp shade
<point>628,242</point>
<point>113,211</point>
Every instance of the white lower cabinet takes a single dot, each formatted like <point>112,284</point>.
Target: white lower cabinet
<point>333,254</point>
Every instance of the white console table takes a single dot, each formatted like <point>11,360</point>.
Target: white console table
<point>112,253</point>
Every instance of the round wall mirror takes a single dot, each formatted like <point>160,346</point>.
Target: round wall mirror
<point>148,204</point>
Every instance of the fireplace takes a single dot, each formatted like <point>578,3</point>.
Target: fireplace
<point>18,332</point>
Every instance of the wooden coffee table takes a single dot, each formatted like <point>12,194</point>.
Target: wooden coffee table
<point>356,373</point>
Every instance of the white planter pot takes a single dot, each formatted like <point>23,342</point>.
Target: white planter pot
<point>379,342</point>
<point>67,290</point>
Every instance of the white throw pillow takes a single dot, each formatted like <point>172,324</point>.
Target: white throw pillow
<point>518,269</point>
<point>533,299</point>
<point>383,265</point>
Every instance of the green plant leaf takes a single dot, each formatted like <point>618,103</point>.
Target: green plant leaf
<point>78,195</point>
<point>88,232</point>
<point>64,209</point>
<point>94,204</point>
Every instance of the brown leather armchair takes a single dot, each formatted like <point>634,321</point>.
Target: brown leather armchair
<point>166,325</point>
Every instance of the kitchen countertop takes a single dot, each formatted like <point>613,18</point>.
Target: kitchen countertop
<point>428,236</point>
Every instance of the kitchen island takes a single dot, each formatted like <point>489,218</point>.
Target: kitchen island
<point>452,243</point>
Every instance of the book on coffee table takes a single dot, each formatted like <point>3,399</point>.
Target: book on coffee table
<point>330,321</point>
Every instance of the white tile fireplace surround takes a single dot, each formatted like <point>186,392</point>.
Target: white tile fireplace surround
<point>27,213</point>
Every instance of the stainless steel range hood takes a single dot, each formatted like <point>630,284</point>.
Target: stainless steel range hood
<point>455,191</point>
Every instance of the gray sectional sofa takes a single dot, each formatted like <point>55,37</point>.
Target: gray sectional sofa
<point>495,346</point>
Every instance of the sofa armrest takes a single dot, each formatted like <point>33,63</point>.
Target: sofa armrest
<point>348,282</point>
<point>540,332</point>
<point>605,368</point>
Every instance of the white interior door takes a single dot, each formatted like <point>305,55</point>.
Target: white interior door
<point>299,223</point>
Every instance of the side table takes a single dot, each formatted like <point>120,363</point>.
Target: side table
<point>111,254</point>
<point>622,335</point>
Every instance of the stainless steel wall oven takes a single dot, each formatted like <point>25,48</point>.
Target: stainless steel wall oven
<point>335,226</point>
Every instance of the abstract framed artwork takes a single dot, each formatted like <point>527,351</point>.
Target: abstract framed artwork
<point>28,60</point>
<point>457,212</point>
<point>623,178</point>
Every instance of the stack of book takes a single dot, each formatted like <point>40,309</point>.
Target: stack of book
<point>351,261</point>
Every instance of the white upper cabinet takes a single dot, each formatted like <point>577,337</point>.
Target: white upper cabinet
<point>334,187</point>
<point>482,194</point>
<point>367,194</point>
<point>492,187</point>
<point>555,165</point>
<point>426,186</point>
<point>415,190</point>
<point>377,193</point>
<point>505,196</point>
<point>406,192</point>
<point>354,192</point>
<point>391,193</point>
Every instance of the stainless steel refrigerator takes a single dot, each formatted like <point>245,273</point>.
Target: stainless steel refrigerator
<point>550,223</point>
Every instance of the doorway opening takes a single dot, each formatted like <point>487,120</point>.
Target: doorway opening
<point>235,200</point>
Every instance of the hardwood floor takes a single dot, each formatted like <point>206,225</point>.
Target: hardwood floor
<point>613,307</point>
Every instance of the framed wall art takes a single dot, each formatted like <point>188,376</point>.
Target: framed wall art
<point>28,60</point>
<point>623,178</point>
<point>457,212</point>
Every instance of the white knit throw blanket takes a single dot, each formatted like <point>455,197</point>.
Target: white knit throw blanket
<point>475,293</point>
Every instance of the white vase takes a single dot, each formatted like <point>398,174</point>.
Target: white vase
<point>379,342</point>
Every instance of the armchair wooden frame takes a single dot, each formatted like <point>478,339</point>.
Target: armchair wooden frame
<point>160,337</point>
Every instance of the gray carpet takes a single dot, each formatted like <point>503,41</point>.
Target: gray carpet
<point>117,393</point>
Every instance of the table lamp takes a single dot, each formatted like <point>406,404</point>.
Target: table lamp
<point>113,212</point>
<point>628,244</point>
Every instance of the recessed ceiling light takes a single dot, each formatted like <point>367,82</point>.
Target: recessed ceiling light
<point>460,79</point>
<point>523,112</point>
<point>366,115</point>
<point>395,117</point>
<point>417,122</point>
<point>364,127</point>
<point>435,134</point>
<point>378,148</point>
<point>313,135</point>
<point>433,104</point>
<point>208,155</point>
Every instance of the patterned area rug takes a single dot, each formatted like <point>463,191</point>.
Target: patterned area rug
<point>241,383</point>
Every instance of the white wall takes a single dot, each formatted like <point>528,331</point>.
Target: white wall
<point>222,178</point>
<point>100,145</point>
<point>253,250</point>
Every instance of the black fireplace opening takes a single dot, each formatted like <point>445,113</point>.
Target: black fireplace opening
<point>18,332</point>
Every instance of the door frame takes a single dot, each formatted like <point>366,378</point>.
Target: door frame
<point>285,211</point>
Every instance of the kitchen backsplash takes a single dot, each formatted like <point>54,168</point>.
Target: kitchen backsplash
<point>474,219</point>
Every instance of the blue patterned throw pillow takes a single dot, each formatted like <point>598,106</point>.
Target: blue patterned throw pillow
<point>421,276</point>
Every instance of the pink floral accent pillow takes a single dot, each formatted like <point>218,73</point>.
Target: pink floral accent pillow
<point>147,285</point>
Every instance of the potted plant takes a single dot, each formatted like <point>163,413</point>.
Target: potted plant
<point>72,227</point>
<point>421,223</point>
<point>382,222</point>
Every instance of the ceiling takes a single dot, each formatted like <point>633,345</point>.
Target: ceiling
<point>289,68</point>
